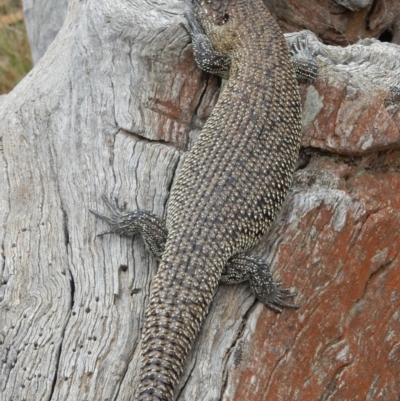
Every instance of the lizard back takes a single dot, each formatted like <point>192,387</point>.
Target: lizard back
<point>230,188</point>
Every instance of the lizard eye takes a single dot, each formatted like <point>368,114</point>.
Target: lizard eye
<point>225,18</point>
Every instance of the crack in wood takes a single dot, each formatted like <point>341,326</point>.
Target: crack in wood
<point>230,350</point>
<point>189,376</point>
<point>62,337</point>
<point>141,138</point>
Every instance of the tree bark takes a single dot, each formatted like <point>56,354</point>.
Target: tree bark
<point>112,108</point>
<point>43,20</point>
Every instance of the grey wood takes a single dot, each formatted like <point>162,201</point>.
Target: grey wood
<point>43,20</point>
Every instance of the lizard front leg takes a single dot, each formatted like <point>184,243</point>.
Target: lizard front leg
<point>304,62</point>
<point>210,60</point>
<point>206,57</point>
<point>242,267</point>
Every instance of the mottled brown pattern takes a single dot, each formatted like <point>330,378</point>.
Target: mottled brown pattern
<point>229,189</point>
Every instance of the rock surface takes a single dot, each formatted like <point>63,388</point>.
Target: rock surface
<point>340,22</point>
<point>346,111</point>
<point>338,244</point>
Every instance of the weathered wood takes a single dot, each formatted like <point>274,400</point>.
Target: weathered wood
<point>43,20</point>
<point>111,109</point>
<point>69,315</point>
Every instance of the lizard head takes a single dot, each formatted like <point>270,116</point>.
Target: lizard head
<point>221,21</point>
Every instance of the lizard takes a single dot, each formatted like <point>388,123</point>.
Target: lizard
<point>229,190</point>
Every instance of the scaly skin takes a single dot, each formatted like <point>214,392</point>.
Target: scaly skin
<point>228,192</point>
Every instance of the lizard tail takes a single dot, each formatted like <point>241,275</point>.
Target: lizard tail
<point>176,310</point>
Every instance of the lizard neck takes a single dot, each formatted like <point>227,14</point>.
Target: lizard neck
<point>260,59</point>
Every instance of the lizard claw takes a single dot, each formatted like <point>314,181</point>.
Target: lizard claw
<point>277,298</point>
<point>271,295</point>
<point>117,214</point>
<point>114,207</point>
<point>266,289</point>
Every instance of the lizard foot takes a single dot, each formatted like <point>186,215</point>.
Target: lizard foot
<point>276,298</point>
<point>151,228</point>
<point>268,291</point>
<point>115,219</point>
<point>304,62</point>
<point>242,267</point>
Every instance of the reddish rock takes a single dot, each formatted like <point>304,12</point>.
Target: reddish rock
<point>346,110</point>
<point>337,244</point>
<point>340,22</point>
<point>350,121</point>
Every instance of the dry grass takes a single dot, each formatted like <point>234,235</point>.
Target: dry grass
<point>15,57</point>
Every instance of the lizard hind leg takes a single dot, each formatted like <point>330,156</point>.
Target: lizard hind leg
<point>241,268</point>
<point>148,225</point>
